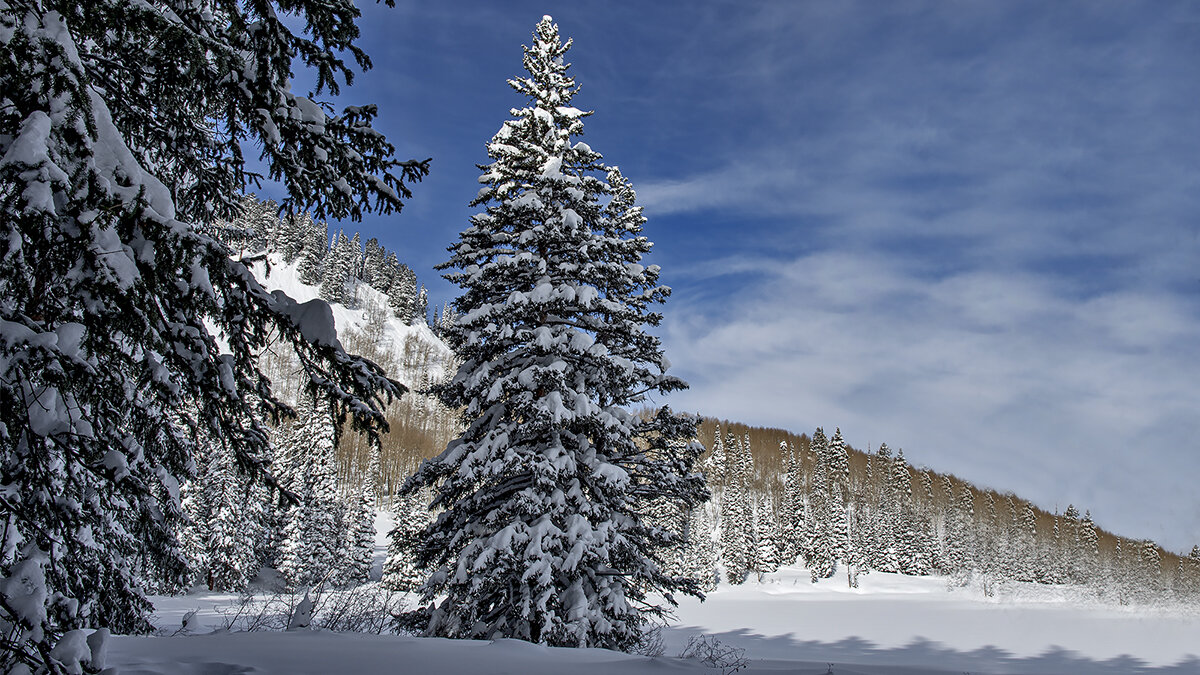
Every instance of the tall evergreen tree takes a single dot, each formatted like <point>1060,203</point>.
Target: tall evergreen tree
<point>1027,569</point>
<point>821,551</point>
<point>289,237</point>
<point>402,293</point>
<point>887,523</point>
<point>838,503</point>
<point>838,460</point>
<point>339,269</point>
<point>966,530</point>
<point>358,532</point>
<point>421,306</point>
<point>125,128</point>
<point>310,545</point>
<point>314,249</point>
<point>387,274</point>
<point>400,569</point>
<point>540,536</point>
<point>954,543</point>
<point>909,535</point>
<point>767,536</point>
<point>227,515</point>
<point>1190,572</point>
<point>1089,548</point>
<point>715,463</point>
<point>356,257</point>
<point>700,553</point>
<point>736,524</point>
<point>792,517</point>
<point>1150,559</point>
<point>373,257</point>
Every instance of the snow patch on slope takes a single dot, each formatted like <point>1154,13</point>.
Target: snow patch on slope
<point>278,276</point>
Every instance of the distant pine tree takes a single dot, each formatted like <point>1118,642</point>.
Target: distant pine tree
<point>402,292</point>
<point>373,260</point>
<point>313,250</point>
<point>767,535</point>
<point>821,550</point>
<point>792,516</point>
<point>310,546</point>
<point>736,524</point>
<point>358,548</point>
<point>400,569</point>
<point>715,464</point>
<point>1151,564</point>
<point>421,306</point>
<point>339,271</point>
<point>289,238</point>
<point>700,552</point>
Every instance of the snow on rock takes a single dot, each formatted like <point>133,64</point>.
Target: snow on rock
<point>301,619</point>
<point>314,318</point>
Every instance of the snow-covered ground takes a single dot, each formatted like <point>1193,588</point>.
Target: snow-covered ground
<point>895,620</point>
<point>890,625</point>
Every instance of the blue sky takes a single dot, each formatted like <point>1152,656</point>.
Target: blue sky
<point>968,229</point>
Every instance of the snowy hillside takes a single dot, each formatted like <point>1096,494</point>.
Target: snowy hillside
<point>369,312</point>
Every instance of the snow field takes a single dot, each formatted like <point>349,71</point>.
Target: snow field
<point>890,624</point>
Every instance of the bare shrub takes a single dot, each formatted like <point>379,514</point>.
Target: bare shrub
<point>368,608</point>
<point>709,651</point>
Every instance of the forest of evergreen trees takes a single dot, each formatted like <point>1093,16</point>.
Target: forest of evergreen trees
<point>815,501</point>
<point>777,498</point>
<point>234,526</point>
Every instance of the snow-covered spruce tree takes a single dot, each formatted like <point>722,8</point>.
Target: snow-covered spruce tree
<point>714,465</point>
<point>311,538</point>
<point>289,238</point>
<point>1189,571</point>
<point>792,518</point>
<point>252,226</point>
<point>1151,565</point>
<point>662,513</point>
<point>356,259</point>
<point>402,292</point>
<point>123,126</point>
<point>314,249</point>
<point>540,537</point>
<point>736,523</point>
<point>767,536</point>
<point>819,548</point>
<point>358,530</point>
<point>421,306</point>
<point>400,571</point>
<point>337,270</point>
<point>883,553</point>
<point>700,553</point>
<point>227,514</point>
<point>967,528</point>
<point>373,257</point>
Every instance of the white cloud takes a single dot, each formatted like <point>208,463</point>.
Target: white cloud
<point>997,378</point>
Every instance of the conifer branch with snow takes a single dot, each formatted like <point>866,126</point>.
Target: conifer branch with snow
<point>128,334</point>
